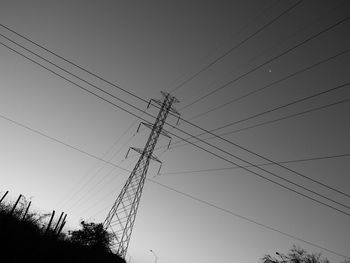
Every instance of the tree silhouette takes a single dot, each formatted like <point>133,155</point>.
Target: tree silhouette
<point>297,255</point>
<point>92,235</point>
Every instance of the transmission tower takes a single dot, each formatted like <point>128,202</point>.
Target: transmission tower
<point>121,217</point>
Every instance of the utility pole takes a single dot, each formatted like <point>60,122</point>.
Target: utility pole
<point>121,217</point>
<point>155,255</point>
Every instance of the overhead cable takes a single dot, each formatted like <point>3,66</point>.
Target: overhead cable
<point>168,187</point>
<point>215,147</point>
<point>262,164</point>
<point>236,46</point>
<point>305,41</point>
<point>271,84</point>
<point>268,61</point>
<point>168,124</point>
<point>246,218</point>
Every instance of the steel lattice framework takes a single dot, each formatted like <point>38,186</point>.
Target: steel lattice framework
<point>121,217</point>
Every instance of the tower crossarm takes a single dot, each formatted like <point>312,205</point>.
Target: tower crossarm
<point>140,151</point>
<point>150,126</point>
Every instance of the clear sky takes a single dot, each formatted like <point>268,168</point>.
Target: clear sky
<point>149,46</point>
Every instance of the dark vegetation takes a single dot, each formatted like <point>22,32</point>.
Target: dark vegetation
<point>297,255</point>
<point>26,240</point>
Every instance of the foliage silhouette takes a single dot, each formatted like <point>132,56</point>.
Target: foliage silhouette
<point>25,240</point>
<point>92,235</point>
<point>297,255</point>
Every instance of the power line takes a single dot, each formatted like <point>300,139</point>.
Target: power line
<point>272,84</point>
<point>269,111</point>
<point>303,28</point>
<point>236,46</point>
<point>275,109</point>
<point>293,34</point>
<point>210,132</point>
<point>261,124</point>
<point>72,63</point>
<point>278,119</point>
<point>262,164</point>
<point>245,218</point>
<point>231,213</point>
<point>104,177</point>
<point>344,85</point>
<point>329,251</point>
<point>83,197</point>
<point>169,188</point>
<point>61,142</point>
<point>98,201</point>
<point>215,147</point>
<point>82,186</point>
<point>234,35</point>
<point>259,175</point>
<point>206,131</point>
<point>267,62</point>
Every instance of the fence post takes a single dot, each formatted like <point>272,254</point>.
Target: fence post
<point>2,198</point>
<point>13,208</point>
<point>25,213</point>
<point>62,225</point>
<point>48,226</point>
<point>58,222</point>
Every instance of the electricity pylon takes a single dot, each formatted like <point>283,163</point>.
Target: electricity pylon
<point>121,217</point>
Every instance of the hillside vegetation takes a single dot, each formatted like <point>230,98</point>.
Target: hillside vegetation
<point>25,240</point>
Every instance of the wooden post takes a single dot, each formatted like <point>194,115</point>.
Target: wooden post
<point>58,222</point>
<point>25,213</point>
<point>13,208</point>
<point>62,225</point>
<point>48,226</point>
<point>2,198</point>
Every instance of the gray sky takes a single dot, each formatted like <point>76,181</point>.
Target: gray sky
<point>149,46</point>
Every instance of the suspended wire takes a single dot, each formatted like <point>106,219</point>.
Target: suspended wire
<point>72,63</point>
<point>272,84</point>
<point>173,189</point>
<point>259,124</point>
<point>153,117</point>
<point>259,175</point>
<point>245,218</point>
<point>210,132</point>
<point>60,142</point>
<point>76,65</point>
<point>277,45</point>
<point>100,189</point>
<point>276,120</point>
<point>344,85</point>
<point>100,201</point>
<point>164,186</point>
<point>272,48</point>
<point>90,178</point>
<point>305,41</point>
<point>231,213</point>
<point>237,33</point>
<point>74,204</point>
<point>175,144</point>
<point>236,46</point>
<point>267,62</point>
<point>104,177</point>
<point>89,154</point>
<point>269,111</point>
<point>81,151</point>
<point>275,109</point>
<point>215,147</point>
<point>263,164</point>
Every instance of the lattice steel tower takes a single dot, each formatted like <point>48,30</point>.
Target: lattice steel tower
<point>121,217</point>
